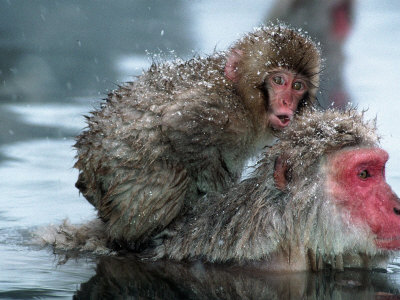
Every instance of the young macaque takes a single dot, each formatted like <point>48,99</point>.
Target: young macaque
<point>318,198</point>
<point>183,129</point>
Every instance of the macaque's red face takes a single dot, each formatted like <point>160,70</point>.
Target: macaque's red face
<point>356,180</point>
<point>285,90</point>
<point>282,90</point>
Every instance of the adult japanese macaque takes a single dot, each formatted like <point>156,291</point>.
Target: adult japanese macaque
<point>183,129</point>
<point>318,198</point>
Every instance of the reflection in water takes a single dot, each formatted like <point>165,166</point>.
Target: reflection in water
<point>328,22</point>
<point>122,277</point>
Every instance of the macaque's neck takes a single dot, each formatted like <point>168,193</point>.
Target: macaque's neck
<point>264,140</point>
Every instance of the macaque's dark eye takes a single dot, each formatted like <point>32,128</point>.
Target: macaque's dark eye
<point>364,174</point>
<point>278,80</point>
<point>297,85</point>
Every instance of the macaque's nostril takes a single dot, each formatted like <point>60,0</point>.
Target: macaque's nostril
<point>396,210</point>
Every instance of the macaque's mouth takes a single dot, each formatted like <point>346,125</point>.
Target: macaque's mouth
<point>284,119</point>
<point>280,121</point>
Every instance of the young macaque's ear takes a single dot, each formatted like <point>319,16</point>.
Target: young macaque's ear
<point>280,173</point>
<point>232,63</point>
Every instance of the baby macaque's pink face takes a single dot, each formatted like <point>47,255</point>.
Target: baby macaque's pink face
<point>282,90</point>
<point>356,180</point>
<point>285,90</point>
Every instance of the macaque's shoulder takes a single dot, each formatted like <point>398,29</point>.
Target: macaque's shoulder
<point>186,73</point>
<point>197,112</point>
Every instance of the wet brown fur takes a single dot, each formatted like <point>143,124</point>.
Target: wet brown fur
<point>258,225</point>
<point>181,130</point>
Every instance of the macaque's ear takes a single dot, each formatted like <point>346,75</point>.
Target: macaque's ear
<point>232,63</point>
<point>280,173</point>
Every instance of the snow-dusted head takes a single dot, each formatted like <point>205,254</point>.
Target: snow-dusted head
<point>278,68</point>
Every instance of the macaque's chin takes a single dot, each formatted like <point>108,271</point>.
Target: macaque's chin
<point>279,121</point>
<point>388,244</point>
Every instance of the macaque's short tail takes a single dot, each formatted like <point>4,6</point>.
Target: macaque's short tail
<point>90,237</point>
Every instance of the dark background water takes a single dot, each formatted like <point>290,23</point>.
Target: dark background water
<point>58,59</point>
